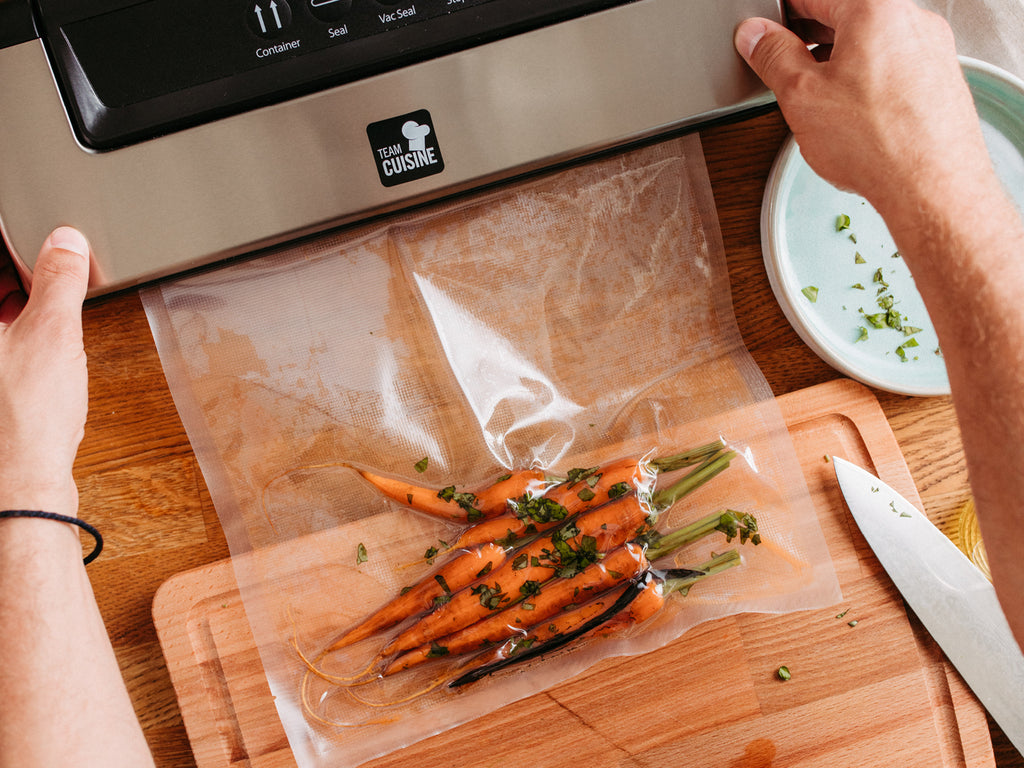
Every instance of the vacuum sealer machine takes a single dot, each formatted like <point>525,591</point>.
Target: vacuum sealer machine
<point>175,133</point>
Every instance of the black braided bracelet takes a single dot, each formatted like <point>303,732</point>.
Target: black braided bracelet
<point>61,519</point>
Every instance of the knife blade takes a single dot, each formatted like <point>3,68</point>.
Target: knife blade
<point>951,597</point>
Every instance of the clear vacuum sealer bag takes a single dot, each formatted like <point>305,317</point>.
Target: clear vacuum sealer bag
<point>558,323</point>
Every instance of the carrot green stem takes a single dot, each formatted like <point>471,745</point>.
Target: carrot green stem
<point>716,564</point>
<point>710,467</point>
<point>725,520</point>
<point>687,458</point>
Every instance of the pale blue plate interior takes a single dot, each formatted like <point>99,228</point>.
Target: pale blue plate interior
<point>804,250</point>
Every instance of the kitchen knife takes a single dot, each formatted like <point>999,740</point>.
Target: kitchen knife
<point>951,597</point>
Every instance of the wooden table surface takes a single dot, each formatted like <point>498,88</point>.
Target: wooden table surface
<point>141,485</point>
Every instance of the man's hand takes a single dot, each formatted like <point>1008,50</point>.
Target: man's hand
<point>880,107</point>
<point>43,378</point>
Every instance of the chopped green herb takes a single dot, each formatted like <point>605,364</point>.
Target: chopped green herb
<point>586,494</point>
<point>594,479</point>
<point>744,525</point>
<point>508,540</point>
<point>490,597</point>
<point>503,478</point>
<point>466,501</point>
<point>858,259</point>
<point>853,238</point>
<point>840,615</point>
<point>910,330</point>
<point>858,286</point>
<point>485,570</point>
<point>619,489</point>
<point>436,650</point>
<point>842,222</point>
<point>574,476</point>
<point>896,255</point>
<point>522,560</point>
<point>530,588</point>
<point>811,292</point>
<point>405,590</point>
<point>566,561</point>
<point>421,465</point>
<point>852,623</point>
<point>876,320</point>
<point>430,554</point>
<point>863,335</point>
<point>901,349</point>
<point>361,556</point>
<point>408,497</point>
<point>539,509</point>
<point>783,673</point>
<point>878,278</point>
<point>442,583</point>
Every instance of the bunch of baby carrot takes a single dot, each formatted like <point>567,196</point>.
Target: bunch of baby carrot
<point>544,562</point>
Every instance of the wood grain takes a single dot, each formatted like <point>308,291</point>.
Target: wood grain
<point>133,430</point>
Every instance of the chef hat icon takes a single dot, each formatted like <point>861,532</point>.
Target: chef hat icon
<point>416,134</point>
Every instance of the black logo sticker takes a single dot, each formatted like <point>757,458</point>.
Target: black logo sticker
<point>405,148</point>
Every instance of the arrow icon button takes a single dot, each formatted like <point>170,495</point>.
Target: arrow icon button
<point>270,18</point>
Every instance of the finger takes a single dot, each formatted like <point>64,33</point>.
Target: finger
<point>773,52</point>
<point>61,275</point>
<point>822,11</point>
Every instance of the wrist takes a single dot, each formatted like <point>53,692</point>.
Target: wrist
<point>59,497</point>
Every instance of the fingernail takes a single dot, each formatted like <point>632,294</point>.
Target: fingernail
<point>69,239</point>
<point>748,35</point>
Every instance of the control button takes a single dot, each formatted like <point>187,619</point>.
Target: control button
<point>330,10</point>
<point>269,18</point>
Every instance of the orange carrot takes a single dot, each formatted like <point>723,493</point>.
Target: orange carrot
<point>588,488</point>
<point>460,506</point>
<point>558,595</point>
<point>453,576</point>
<point>623,606</point>
<point>652,598</point>
<point>583,490</point>
<point>564,553</point>
<point>569,625</point>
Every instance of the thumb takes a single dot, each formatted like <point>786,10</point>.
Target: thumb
<point>772,51</point>
<point>61,275</point>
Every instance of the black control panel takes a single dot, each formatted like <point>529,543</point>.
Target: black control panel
<point>133,70</point>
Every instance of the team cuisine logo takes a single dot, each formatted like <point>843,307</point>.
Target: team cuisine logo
<point>405,148</point>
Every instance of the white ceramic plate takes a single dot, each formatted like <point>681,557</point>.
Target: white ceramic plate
<point>803,251</point>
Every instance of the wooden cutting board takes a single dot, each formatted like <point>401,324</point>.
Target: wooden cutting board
<point>879,693</point>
